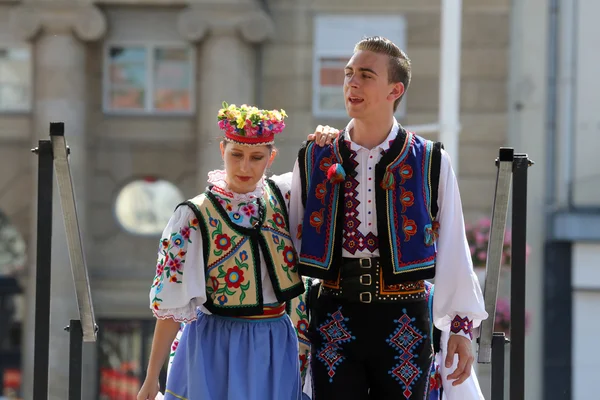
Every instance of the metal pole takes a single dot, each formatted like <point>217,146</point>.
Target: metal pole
<point>505,164</point>
<point>43,270</point>
<point>73,234</point>
<point>499,342</point>
<point>75,358</point>
<point>450,48</point>
<point>518,277</point>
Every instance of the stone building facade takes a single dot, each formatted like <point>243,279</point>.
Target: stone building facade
<point>71,61</point>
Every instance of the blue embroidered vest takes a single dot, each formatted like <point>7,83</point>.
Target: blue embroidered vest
<point>406,187</point>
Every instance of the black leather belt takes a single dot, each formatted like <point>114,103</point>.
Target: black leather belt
<point>360,281</point>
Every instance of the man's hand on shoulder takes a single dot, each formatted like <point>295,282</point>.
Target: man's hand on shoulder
<point>323,135</point>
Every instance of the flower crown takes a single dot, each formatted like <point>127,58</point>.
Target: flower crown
<point>249,125</point>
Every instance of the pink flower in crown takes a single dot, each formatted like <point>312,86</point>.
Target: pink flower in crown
<point>266,127</point>
<point>278,127</point>
<point>226,126</point>
<point>249,210</point>
<point>250,129</point>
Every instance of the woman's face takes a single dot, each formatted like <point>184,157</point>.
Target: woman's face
<point>245,165</point>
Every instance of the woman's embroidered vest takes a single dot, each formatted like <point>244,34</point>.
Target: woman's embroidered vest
<point>406,187</point>
<point>232,257</point>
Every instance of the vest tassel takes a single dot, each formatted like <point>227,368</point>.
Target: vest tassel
<point>388,181</point>
<point>431,233</point>
<point>336,173</point>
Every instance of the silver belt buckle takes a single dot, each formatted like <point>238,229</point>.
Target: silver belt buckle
<point>369,280</point>
<point>365,299</point>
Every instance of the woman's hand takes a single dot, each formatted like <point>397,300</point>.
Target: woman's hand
<point>150,390</point>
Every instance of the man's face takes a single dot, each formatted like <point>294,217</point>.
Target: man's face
<point>367,90</point>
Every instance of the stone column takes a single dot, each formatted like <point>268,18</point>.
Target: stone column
<point>226,66</point>
<point>58,33</point>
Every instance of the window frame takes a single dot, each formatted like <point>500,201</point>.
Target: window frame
<point>317,87</point>
<point>29,107</point>
<point>319,53</point>
<point>150,47</point>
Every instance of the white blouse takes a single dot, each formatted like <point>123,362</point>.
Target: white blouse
<point>179,286</point>
<point>457,290</point>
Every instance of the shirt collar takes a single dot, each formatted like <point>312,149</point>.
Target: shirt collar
<point>383,146</point>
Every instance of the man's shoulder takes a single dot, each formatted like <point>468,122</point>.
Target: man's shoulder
<point>423,140</point>
<point>313,149</point>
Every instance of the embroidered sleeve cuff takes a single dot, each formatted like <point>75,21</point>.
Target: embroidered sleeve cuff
<point>183,314</point>
<point>462,326</point>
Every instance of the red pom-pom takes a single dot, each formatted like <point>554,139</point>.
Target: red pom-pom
<point>336,173</point>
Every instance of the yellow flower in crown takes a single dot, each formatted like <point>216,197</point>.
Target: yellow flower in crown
<point>250,125</point>
<point>241,122</point>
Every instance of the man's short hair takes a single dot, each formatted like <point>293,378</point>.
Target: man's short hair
<point>399,66</point>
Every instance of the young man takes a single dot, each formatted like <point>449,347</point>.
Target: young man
<point>377,212</point>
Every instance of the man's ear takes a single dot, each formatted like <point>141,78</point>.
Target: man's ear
<point>397,91</point>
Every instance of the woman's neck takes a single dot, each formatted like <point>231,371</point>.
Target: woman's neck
<point>239,190</point>
<point>371,133</point>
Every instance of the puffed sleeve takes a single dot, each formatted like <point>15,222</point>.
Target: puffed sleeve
<point>458,305</point>
<point>284,183</point>
<point>179,286</point>
<point>296,207</point>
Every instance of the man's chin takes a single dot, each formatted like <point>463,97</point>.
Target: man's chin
<point>353,112</point>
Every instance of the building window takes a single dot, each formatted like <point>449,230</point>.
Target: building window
<point>15,79</point>
<point>335,37</point>
<point>157,79</point>
<point>144,206</point>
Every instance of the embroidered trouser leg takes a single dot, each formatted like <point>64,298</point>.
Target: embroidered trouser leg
<point>370,351</point>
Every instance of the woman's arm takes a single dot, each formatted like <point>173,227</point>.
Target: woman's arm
<point>164,334</point>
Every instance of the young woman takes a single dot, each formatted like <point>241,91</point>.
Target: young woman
<point>227,267</point>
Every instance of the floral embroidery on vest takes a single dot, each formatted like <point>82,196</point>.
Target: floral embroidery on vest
<point>233,277</point>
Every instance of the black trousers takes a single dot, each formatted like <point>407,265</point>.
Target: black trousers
<point>369,351</point>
